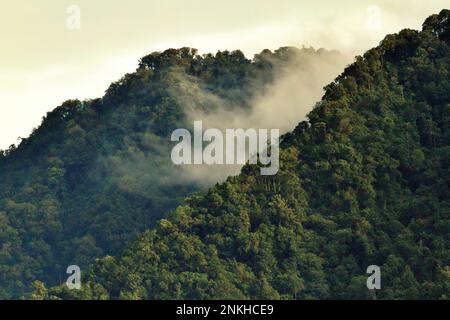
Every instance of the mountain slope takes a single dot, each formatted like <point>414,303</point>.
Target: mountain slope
<point>97,173</point>
<point>365,181</point>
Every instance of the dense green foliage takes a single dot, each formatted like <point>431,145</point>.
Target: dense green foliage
<point>96,174</point>
<point>364,181</point>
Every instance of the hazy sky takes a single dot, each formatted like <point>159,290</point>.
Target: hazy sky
<point>46,59</point>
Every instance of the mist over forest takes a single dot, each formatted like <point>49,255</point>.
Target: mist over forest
<point>363,180</point>
<point>97,173</point>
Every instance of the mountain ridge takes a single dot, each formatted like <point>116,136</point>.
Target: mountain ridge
<point>97,173</point>
<point>363,182</point>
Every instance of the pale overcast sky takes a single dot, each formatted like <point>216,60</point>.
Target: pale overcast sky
<point>45,59</point>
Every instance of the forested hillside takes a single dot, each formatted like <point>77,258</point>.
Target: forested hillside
<point>364,181</point>
<point>96,174</point>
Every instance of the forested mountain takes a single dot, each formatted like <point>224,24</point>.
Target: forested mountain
<point>365,181</point>
<point>96,174</point>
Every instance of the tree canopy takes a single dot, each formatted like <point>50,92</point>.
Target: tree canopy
<point>365,181</point>
<point>97,173</point>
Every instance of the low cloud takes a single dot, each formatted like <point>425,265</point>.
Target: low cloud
<point>297,86</point>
